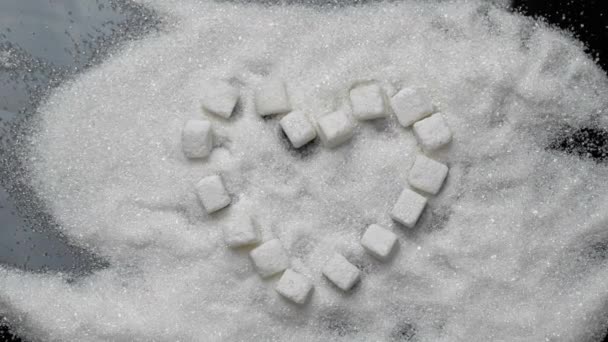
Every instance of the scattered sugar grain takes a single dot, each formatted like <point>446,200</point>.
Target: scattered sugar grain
<point>118,183</point>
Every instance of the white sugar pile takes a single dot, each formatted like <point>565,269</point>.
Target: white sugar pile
<point>512,249</point>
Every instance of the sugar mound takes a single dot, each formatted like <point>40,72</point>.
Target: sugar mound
<point>512,249</point>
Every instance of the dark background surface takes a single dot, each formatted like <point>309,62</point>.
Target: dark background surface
<point>587,19</point>
<point>42,43</point>
<point>53,40</point>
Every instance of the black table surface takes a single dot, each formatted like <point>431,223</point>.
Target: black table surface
<point>52,40</point>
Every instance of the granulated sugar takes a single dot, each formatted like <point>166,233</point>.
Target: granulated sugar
<point>511,249</point>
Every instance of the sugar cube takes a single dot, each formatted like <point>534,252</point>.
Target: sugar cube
<point>411,105</point>
<point>341,272</point>
<point>427,174</point>
<point>408,208</point>
<point>219,98</point>
<point>378,241</point>
<point>241,232</point>
<point>269,258</point>
<point>294,286</point>
<point>271,98</point>
<point>212,193</point>
<point>197,139</point>
<point>368,102</point>
<point>432,132</point>
<point>298,128</point>
<point>335,128</point>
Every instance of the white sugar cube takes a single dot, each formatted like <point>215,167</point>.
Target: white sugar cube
<point>219,98</point>
<point>335,128</point>
<point>294,286</point>
<point>269,258</point>
<point>368,102</point>
<point>197,139</point>
<point>298,128</point>
<point>378,241</point>
<point>341,272</point>
<point>408,208</point>
<point>241,232</point>
<point>212,193</point>
<point>427,174</point>
<point>411,105</point>
<point>432,132</point>
<point>271,98</point>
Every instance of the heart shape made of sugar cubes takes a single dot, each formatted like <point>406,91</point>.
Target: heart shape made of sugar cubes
<point>412,107</point>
